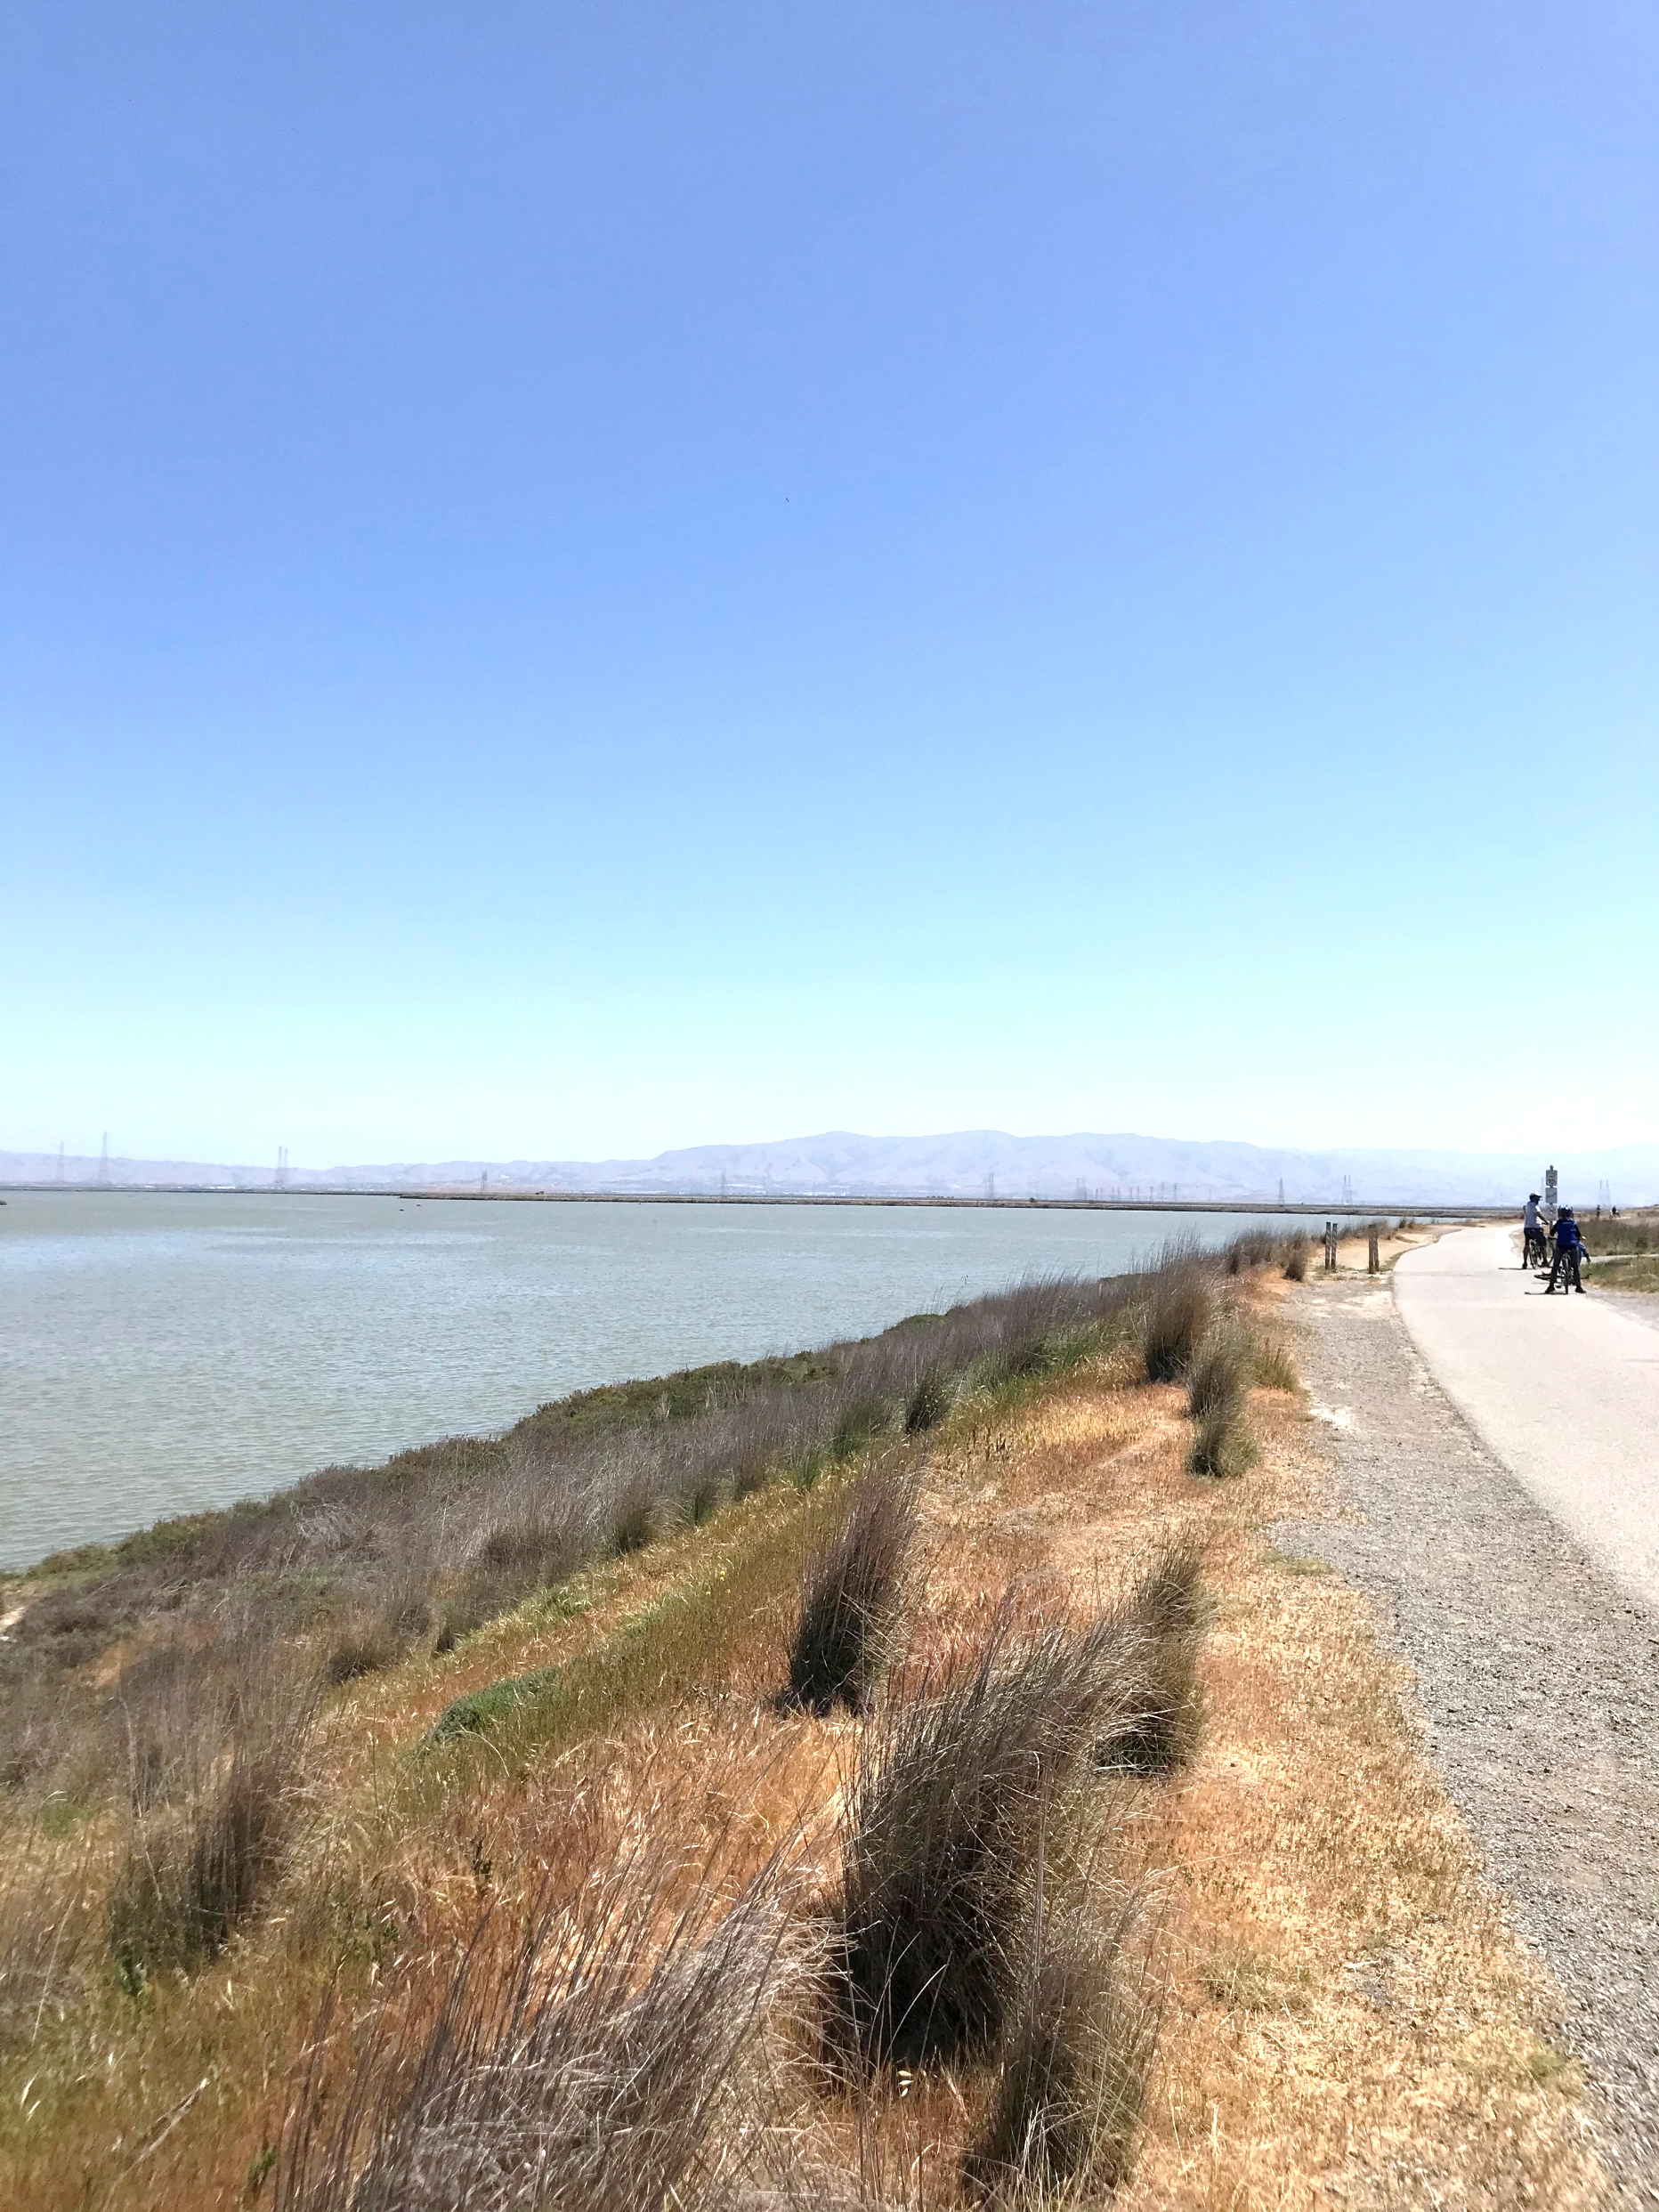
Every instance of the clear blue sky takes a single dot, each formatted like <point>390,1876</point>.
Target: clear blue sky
<point>580,578</point>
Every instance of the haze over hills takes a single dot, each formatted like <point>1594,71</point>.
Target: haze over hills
<point>968,1164</point>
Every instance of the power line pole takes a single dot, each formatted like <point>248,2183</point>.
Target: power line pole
<point>103,1164</point>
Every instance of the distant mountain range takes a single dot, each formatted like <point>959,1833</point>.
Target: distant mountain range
<point>968,1165</point>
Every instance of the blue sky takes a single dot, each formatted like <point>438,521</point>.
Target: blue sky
<point>582,577</point>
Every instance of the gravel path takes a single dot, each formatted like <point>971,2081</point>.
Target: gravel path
<point>1539,1678</point>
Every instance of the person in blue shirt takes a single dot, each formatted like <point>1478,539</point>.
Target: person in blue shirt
<point>1569,1251</point>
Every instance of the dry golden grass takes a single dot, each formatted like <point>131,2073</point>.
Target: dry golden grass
<point>1348,2020</point>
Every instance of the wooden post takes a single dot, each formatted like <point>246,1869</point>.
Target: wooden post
<point>1330,1247</point>
<point>1375,1260</point>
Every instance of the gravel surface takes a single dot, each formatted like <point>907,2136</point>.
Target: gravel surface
<point>1539,1679</point>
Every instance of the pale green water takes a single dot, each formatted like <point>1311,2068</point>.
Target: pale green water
<point>163,1353</point>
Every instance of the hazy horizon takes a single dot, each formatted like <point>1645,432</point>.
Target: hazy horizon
<point>971,1163</point>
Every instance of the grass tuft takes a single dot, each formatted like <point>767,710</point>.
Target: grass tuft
<point>930,1403</point>
<point>1252,1248</point>
<point>1176,1313</point>
<point>1073,2081</point>
<point>1168,1609</point>
<point>852,1598</point>
<point>1271,1364</point>
<point>1218,1386</point>
<point>1222,1448</point>
<point>950,1798</point>
<point>47,1916</point>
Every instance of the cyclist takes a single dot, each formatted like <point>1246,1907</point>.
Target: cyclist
<point>1533,1239</point>
<point>1568,1253</point>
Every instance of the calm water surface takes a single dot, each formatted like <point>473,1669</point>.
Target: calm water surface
<point>159,1353</point>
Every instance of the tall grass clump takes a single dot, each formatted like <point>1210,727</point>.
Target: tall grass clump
<point>1252,1248</point>
<point>223,1810</point>
<point>1071,2085</point>
<point>382,1631</point>
<point>1175,1309</point>
<point>950,1795</point>
<point>1218,1386</point>
<point>602,2057</point>
<point>1167,1609</point>
<point>931,1401</point>
<point>853,1595</point>
<point>1296,1251</point>
<point>1271,1364</point>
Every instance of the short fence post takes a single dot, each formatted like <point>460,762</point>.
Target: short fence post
<point>1375,1262</point>
<point>1330,1247</point>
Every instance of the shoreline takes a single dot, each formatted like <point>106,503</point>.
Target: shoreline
<point>1347,1209</point>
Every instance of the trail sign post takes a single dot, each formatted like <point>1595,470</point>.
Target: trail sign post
<point>1551,1189</point>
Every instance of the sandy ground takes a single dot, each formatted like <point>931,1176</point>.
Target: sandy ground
<point>1537,1667</point>
<point>1564,1389</point>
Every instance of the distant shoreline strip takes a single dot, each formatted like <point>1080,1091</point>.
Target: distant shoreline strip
<point>1322,1209</point>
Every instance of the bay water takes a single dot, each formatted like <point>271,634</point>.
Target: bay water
<point>164,1352</point>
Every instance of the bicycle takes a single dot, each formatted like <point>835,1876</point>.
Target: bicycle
<point>1566,1262</point>
<point>1534,1249</point>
